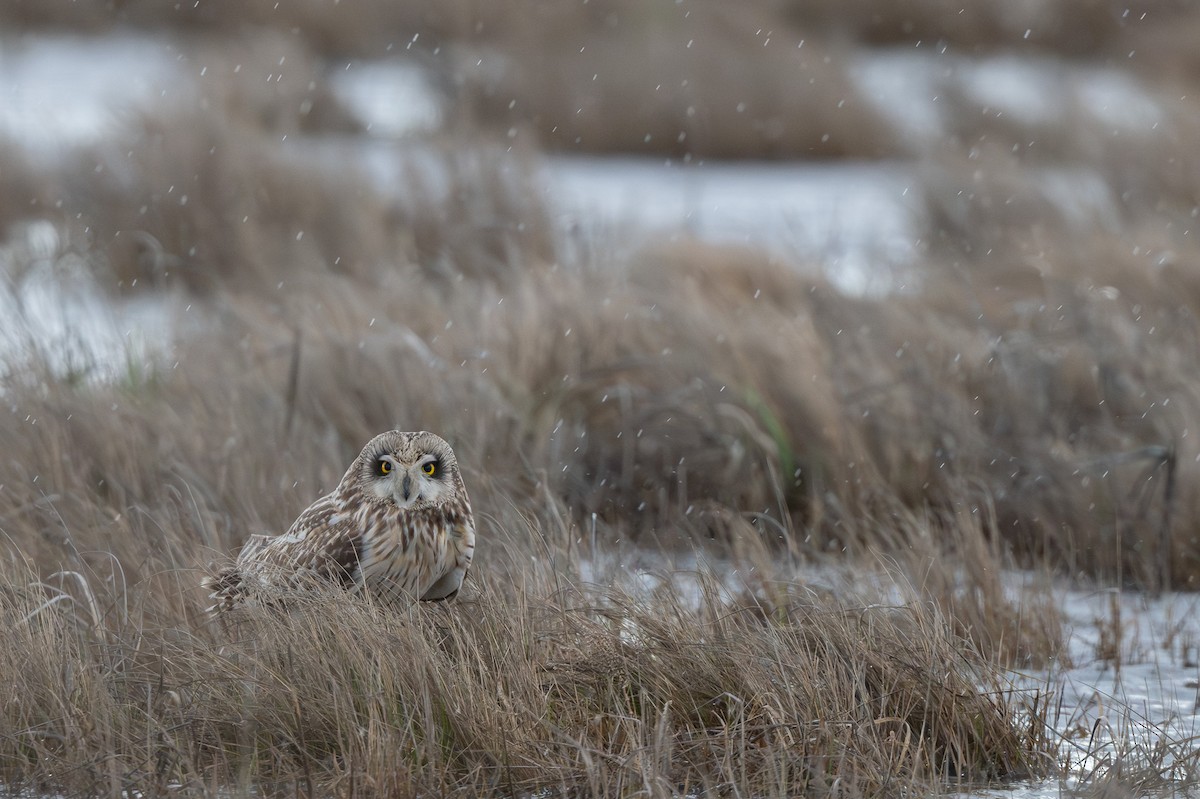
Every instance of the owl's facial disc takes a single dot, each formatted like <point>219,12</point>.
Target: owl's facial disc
<point>406,484</point>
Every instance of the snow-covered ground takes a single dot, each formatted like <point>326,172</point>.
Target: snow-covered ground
<point>1141,706</point>
<point>53,311</point>
<point>918,90</point>
<point>1128,683</point>
<point>393,98</point>
<point>69,91</point>
<point>848,219</point>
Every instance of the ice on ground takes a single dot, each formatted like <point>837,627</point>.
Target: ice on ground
<point>53,313</point>
<point>853,219</point>
<point>1118,99</point>
<point>1130,677</point>
<point>1133,653</point>
<point>70,91</point>
<point>390,98</point>
<point>1129,682</point>
<point>917,91</point>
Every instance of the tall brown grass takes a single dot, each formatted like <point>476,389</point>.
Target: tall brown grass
<point>1026,398</point>
<point>590,406</point>
<point>1043,390</point>
<point>701,81</point>
<point>530,684</point>
<point>118,495</point>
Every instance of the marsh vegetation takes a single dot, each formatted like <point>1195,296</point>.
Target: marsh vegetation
<point>743,531</point>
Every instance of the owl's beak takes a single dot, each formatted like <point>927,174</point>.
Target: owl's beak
<point>406,487</point>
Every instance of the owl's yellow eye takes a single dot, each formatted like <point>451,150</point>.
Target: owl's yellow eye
<point>429,468</point>
<point>385,467</point>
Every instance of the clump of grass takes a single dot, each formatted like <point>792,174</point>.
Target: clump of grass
<point>1082,420</point>
<point>1059,27</point>
<point>205,203</point>
<point>529,684</point>
<point>469,212</point>
<point>667,80</point>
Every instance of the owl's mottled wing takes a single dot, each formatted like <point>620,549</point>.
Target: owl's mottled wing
<point>323,542</point>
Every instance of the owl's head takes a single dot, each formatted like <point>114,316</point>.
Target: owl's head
<point>410,470</point>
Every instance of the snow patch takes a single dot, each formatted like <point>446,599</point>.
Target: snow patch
<point>390,98</point>
<point>916,90</point>
<point>71,91</point>
<point>853,220</point>
<point>52,311</point>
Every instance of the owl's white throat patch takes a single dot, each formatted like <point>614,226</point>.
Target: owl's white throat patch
<point>400,502</point>
<point>391,489</point>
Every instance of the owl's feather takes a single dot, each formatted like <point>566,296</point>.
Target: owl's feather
<point>360,536</point>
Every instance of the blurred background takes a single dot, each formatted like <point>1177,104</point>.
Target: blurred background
<point>777,269</point>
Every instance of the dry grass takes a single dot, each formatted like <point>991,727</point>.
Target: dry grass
<point>747,407</point>
<point>614,76</point>
<point>1027,399</point>
<point>116,495</point>
<point>1061,26</point>
<point>769,79</point>
<point>529,684</point>
<point>685,81</point>
<point>1043,391</point>
<point>199,201</point>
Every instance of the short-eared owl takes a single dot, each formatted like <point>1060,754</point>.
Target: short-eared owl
<point>398,524</point>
